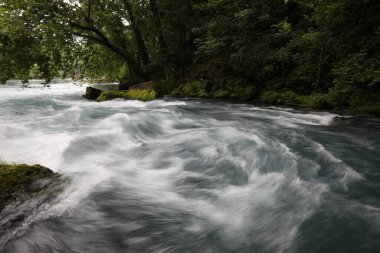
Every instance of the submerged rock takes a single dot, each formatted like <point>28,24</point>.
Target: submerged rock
<point>92,93</point>
<point>339,120</point>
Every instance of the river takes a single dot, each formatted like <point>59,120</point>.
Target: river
<point>192,175</point>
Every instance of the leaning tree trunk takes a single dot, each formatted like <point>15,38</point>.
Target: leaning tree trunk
<point>138,35</point>
<point>158,26</point>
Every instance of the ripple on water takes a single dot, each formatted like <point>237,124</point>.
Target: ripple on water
<point>191,176</point>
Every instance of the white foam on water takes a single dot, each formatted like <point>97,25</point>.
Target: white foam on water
<point>234,178</point>
<point>348,174</point>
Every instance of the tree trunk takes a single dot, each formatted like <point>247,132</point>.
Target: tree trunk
<point>158,26</point>
<point>95,35</point>
<point>320,61</point>
<point>139,39</point>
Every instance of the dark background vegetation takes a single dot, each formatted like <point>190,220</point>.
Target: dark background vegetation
<point>321,54</point>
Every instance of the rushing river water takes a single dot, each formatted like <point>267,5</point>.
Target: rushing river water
<point>192,176</point>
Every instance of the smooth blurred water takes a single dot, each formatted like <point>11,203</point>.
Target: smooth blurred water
<point>192,175</point>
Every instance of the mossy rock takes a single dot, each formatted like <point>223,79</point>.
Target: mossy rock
<point>24,189</point>
<point>20,181</point>
<point>141,95</point>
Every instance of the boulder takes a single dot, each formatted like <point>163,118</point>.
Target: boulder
<point>92,93</point>
<point>18,181</point>
<point>125,85</point>
<point>144,86</point>
<point>145,91</point>
<point>23,190</point>
<point>142,95</point>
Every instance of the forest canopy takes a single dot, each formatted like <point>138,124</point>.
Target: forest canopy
<point>313,53</point>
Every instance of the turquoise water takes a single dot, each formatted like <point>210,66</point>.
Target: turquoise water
<point>192,175</point>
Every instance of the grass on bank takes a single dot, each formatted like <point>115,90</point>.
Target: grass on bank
<point>357,101</point>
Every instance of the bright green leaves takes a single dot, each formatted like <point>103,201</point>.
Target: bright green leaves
<point>357,71</point>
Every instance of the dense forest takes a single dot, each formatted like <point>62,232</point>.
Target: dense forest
<point>321,54</point>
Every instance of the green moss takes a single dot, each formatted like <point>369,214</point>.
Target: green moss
<point>109,95</point>
<point>142,95</point>
<point>17,181</point>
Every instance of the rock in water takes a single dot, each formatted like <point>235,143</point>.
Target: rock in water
<point>142,95</point>
<point>92,93</point>
<point>144,86</point>
<point>146,91</point>
<point>125,85</point>
<point>23,189</point>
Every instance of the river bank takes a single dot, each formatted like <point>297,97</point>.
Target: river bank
<point>358,102</point>
<point>361,103</point>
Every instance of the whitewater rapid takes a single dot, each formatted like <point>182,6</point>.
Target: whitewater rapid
<point>191,175</point>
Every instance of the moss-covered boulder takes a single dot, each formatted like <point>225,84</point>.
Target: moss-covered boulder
<point>142,95</point>
<point>25,190</point>
<point>20,182</point>
<point>145,91</point>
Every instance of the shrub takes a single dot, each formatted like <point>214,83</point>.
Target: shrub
<point>365,102</point>
<point>317,101</point>
<point>282,98</point>
<point>192,89</point>
<point>241,92</point>
<point>314,101</point>
<point>221,93</point>
<point>270,97</point>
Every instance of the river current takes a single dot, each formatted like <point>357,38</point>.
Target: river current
<point>192,175</point>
